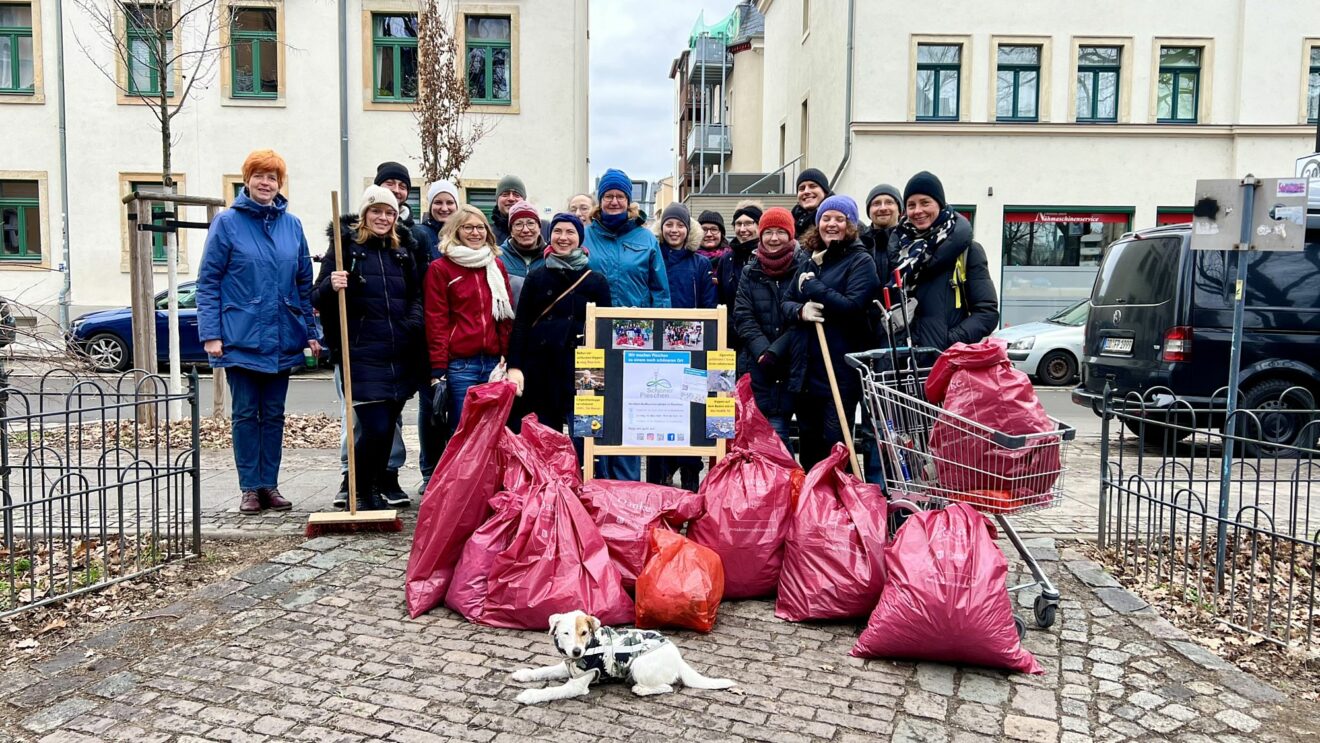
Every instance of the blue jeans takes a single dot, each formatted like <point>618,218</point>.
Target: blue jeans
<point>258,411</point>
<point>780,424</point>
<point>398,454</point>
<point>619,468</point>
<point>462,374</point>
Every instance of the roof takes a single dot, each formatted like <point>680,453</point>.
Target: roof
<point>744,22</point>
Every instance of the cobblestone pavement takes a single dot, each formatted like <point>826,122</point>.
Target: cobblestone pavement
<point>315,645</point>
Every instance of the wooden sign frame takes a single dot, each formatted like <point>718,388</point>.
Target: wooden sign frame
<point>589,446</point>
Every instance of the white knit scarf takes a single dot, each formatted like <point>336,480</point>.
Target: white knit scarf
<point>466,257</point>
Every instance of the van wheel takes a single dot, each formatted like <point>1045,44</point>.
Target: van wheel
<point>1283,418</point>
<point>1057,368</point>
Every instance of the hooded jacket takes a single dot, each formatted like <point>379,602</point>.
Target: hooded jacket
<point>691,285</point>
<point>939,323</point>
<point>384,304</point>
<point>845,283</point>
<point>254,287</point>
<point>762,326</point>
<point>519,265</point>
<point>630,259</point>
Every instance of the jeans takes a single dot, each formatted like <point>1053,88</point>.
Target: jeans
<point>619,468</point>
<point>780,424</point>
<point>398,454</point>
<point>373,421</point>
<point>462,374</point>
<point>818,425</point>
<point>257,408</point>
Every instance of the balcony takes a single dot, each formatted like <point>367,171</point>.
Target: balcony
<point>709,61</point>
<point>708,142</point>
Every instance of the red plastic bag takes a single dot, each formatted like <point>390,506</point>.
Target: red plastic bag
<point>553,449</point>
<point>681,585</point>
<point>979,383</point>
<point>456,501</point>
<point>834,554</point>
<point>555,563</point>
<point>945,597</point>
<point>626,512</point>
<point>467,590</point>
<point>753,432</point>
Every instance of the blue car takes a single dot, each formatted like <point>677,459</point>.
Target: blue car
<point>106,337</point>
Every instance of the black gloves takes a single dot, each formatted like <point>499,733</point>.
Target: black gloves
<point>439,400</point>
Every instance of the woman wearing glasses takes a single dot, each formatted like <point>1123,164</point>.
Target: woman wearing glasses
<point>468,309</point>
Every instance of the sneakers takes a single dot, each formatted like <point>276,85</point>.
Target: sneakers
<point>340,502</point>
<point>391,492</point>
<point>271,498</point>
<point>371,502</point>
<point>250,504</point>
<point>421,486</point>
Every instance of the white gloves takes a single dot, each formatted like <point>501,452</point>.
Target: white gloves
<point>802,279</point>
<point>813,312</point>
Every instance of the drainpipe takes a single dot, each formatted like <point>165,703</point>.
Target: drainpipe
<point>847,97</point>
<point>343,99</point>
<point>66,267</point>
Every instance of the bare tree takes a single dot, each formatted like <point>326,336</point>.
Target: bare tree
<point>449,134</point>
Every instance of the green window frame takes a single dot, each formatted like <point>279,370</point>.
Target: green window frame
<point>394,59</point>
<point>488,56</point>
<point>157,238</point>
<point>253,40</point>
<point>1017,91</point>
<point>939,72</point>
<point>1099,74</point>
<point>20,221</point>
<point>143,62</point>
<point>481,198</point>
<point>1313,87</point>
<point>414,202</point>
<point>17,63</point>
<point>1178,100</point>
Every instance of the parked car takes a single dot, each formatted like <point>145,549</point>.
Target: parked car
<point>1162,317</point>
<point>106,337</point>
<point>1049,350</point>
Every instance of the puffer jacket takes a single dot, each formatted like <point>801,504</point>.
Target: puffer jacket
<point>460,320</point>
<point>845,283</point>
<point>939,322</point>
<point>630,259</point>
<point>428,239</point>
<point>499,224</point>
<point>519,265</point>
<point>691,285</point>
<point>728,272</point>
<point>759,319</point>
<point>384,303</point>
<point>254,287</point>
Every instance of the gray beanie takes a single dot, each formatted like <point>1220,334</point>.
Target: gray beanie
<point>676,211</point>
<point>511,183</point>
<point>886,189</point>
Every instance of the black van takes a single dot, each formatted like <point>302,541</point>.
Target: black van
<point>1162,316</point>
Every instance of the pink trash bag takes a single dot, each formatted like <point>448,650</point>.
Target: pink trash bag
<point>556,562</point>
<point>945,597</point>
<point>834,554</point>
<point>552,449</point>
<point>979,383</point>
<point>467,590</point>
<point>456,501</point>
<point>626,512</point>
<point>753,432</point>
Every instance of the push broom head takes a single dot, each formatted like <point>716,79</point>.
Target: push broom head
<point>322,524</point>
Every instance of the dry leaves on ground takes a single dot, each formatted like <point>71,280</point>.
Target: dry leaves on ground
<point>315,431</point>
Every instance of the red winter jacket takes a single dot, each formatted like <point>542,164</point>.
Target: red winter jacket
<point>460,322</point>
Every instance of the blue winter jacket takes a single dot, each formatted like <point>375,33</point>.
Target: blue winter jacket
<point>691,285</point>
<point>254,287</point>
<point>632,263</point>
<point>518,267</point>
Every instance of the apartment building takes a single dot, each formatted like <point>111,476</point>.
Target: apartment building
<point>277,83</point>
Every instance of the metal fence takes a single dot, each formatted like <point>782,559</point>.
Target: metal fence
<point>97,486</point>
<point>1237,536</point>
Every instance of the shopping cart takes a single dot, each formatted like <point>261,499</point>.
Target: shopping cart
<point>931,457</point>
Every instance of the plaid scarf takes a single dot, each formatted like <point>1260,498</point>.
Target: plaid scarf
<point>916,248</point>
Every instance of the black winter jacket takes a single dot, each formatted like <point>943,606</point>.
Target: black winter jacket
<point>499,224</point>
<point>758,316</point>
<point>804,219</point>
<point>544,349</point>
<point>384,313</point>
<point>939,323</point>
<point>845,284</point>
<point>728,272</point>
<point>427,235</point>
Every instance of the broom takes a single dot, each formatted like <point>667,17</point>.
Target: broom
<point>350,521</point>
<point>845,424</point>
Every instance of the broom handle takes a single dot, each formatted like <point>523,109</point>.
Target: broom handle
<point>345,366</point>
<point>845,424</point>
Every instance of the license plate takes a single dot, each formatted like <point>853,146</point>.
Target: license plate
<point>1118,345</point>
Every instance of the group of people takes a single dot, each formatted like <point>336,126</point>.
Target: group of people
<point>438,303</point>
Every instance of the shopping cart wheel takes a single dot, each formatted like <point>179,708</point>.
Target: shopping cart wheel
<point>1021,627</point>
<point>1044,610</point>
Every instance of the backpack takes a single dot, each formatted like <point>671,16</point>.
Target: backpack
<point>959,279</point>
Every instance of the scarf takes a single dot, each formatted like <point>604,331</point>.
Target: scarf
<point>466,257</point>
<point>777,265</point>
<point>576,260</point>
<point>917,248</point>
<point>614,222</point>
<point>714,253</point>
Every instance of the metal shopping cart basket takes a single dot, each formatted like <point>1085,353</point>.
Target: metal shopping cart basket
<point>931,457</point>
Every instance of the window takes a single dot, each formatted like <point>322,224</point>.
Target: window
<point>1140,272</point>
<point>481,198</point>
<point>938,70</point>
<point>804,131</point>
<point>1097,83</point>
<point>1060,238</point>
<point>414,202</point>
<point>16,60</point>
<point>1312,87</point>
<point>157,209</point>
<point>783,145</point>
<point>145,25</point>
<point>1173,215</point>
<point>967,210</point>
<point>1017,92</point>
<point>20,222</point>
<point>806,16</point>
<point>489,59</point>
<point>254,53</point>
<point>394,38</point>
<point>1179,91</point>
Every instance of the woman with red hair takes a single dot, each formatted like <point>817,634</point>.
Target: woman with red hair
<point>254,317</point>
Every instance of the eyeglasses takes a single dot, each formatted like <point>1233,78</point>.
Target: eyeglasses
<point>711,230</point>
<point>473,228</point>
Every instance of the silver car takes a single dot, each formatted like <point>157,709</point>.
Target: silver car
<point>1049,349</point>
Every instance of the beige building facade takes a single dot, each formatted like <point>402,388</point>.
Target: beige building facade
<point>277,86</point>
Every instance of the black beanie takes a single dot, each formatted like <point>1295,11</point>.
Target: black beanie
<point>926,184</point>
<point>711,216</point>
<point>388,170</point>
<point>751,210</point>
<point>816,177</point>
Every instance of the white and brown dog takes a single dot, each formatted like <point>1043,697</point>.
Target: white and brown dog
<point>593,652</point>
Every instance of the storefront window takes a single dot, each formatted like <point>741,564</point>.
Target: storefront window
<point>1060,238</point>
<point>1172,215</point>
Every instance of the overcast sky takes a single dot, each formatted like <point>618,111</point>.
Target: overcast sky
<point>633,42</point>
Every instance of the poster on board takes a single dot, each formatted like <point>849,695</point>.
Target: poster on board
<point>654,411</point>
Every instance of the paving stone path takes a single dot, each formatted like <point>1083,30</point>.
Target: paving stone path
<point>315,645</point>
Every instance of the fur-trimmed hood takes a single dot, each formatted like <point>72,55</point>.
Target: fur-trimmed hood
<point>693,235</point>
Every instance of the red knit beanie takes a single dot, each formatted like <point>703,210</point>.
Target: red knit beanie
<point>778,216</point>
<point>523,210</point>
